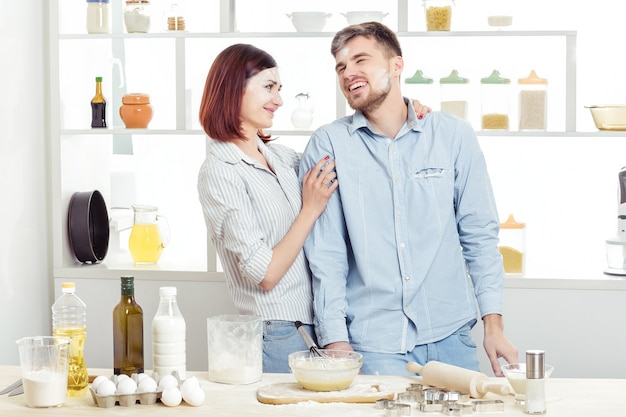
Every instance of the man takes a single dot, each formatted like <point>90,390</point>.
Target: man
<point>407,246</point>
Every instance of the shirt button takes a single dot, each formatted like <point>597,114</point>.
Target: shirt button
<point>402,245</point>
<point>407,278</point>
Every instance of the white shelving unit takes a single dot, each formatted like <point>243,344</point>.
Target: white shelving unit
<point>84,158</point>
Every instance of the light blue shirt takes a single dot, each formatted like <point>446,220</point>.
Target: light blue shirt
<point>413,219</point>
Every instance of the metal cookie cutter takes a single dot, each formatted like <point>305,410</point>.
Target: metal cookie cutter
<point>488,405</point>
<point>397,410</point>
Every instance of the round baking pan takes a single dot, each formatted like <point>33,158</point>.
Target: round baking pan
<point>88,223</point>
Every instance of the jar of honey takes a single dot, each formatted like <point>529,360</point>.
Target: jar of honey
<point>512,246</point>
<point>136,111</point>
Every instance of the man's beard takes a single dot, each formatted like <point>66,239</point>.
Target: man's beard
<point>371,103</point>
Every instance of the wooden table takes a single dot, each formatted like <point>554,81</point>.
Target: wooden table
<point>565,398</point>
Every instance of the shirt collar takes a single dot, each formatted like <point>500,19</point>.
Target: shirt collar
<point>230,153</point>
<point>359,120</point>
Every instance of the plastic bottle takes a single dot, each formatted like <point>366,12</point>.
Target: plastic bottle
<point>127,332</point>
<point>98,106</point>
<point>169,335</point>
<point>69,319</point>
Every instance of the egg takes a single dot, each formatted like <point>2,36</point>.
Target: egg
<point>139,377</point>
<point>192,392</point>
<point>171,396</point>
<point>195,398</point>
<point>126,386</point>
<point>167,381</point>
<point>106,387</point>
<point>147,385</point>
<point>96,382</point>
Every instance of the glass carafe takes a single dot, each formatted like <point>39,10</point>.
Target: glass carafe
<point>149,235</point>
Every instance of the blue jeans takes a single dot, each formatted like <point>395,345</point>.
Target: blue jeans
<point>458,349</point>
<point>280,338</point>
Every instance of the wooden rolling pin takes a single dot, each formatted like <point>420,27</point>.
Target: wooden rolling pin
<point>438,374</point>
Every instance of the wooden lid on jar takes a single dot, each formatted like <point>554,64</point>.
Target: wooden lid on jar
<point>136,98</point>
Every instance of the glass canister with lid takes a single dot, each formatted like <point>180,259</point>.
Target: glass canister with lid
<point>137,16</point>
<point>421,87</point>
<point>533,100</point>
<point>512,246</point>
<point>438,14</point>
<point>453,91</point>
<point>98,16</point>
<point>495,102</point>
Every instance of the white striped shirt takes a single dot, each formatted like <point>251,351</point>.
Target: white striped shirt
<point>248,210</point>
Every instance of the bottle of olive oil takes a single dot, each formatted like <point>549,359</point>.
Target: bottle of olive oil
<point>98,106</point>
<point>127,332</point>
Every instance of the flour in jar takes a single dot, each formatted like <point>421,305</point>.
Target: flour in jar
<point>44,388</point>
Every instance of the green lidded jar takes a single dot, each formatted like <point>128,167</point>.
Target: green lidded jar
<point>454,93</point>
<point>495,102</point>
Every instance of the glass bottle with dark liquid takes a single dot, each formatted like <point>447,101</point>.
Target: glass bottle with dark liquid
<point>127,332</point>
<point>98,106</point>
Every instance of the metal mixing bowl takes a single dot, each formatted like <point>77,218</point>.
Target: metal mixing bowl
<point>336,371</point>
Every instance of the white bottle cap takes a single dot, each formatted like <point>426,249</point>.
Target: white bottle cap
<point>167,291</point>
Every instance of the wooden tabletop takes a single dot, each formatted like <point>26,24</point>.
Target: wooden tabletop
<point>565,398</point>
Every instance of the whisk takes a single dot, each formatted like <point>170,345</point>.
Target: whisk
<point>313,348</point>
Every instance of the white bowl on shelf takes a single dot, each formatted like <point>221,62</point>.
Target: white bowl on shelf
<point>309,21</point>
<point>354,18</point>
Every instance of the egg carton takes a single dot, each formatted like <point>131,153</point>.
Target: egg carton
<point>125,400</point>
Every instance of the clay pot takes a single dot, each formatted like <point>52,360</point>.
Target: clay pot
<point>136,111</point>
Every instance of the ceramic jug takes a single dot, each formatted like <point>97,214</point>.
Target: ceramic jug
<point>149,235</point>
<point>302,116</point>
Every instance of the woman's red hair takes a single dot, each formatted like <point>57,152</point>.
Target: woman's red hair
<point>220,108</point>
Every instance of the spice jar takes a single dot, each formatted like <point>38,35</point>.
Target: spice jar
<point>438,14</point>
<point>421,87</point>
<point>533,99</point>
<point>137,16</point>
<point>136,111</point>
<point>512,246</point>
<point>454,94</point>
<point>495,102</point>
<point>97,18</point>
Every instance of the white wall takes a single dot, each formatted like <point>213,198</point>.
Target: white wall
<point>25,279</point>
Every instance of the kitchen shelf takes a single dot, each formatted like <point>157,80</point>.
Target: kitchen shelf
<point>71,140</point>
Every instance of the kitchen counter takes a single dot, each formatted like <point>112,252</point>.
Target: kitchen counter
<point>565,398</point>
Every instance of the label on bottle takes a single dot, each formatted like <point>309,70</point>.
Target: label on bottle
<point>98,115</point>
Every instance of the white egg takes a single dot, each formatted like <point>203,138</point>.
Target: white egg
<point>167,381</point>
<point>139,377</point>
<point>195,398</point>
<point>171,396</point>
<point>106,387</point>
<point>117,378</point>
<point>126,386</point>
<point>147,385</point>
<point>98,381</point>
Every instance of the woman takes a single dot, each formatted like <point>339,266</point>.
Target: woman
<point>257,214</point>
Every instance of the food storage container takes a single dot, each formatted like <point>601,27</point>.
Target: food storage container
<point>136,111</point>
<point>512,246</point>
<point>454,93</point>
<point>438,14</point>
<point>533,101</point>
<point>495,102</point>
<point>98,16</point>
<point>137,16</point>
<point>422,88</point>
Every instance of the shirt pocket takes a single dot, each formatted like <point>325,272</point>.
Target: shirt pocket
<point>433,183</point>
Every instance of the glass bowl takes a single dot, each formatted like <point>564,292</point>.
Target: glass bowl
<point>334,371</point>
<point>515,373</point>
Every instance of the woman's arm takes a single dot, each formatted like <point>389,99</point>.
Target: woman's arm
<point>317,186</point>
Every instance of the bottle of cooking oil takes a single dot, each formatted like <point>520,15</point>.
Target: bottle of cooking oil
<point>128,332</point>
<point>69,319</point>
